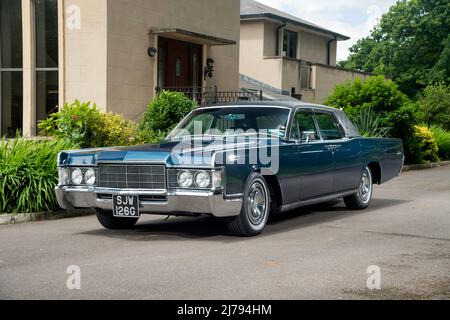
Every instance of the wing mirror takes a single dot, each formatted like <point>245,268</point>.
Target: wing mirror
<point>308,136</point>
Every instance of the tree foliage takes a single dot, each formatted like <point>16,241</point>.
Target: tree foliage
<point>411,45</point>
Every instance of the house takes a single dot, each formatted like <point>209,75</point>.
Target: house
<point>116,53</point>
<point>287,55</point>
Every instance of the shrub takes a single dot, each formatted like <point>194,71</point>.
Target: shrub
<point>443,141</point>
<point>147,136</point>
<point>82,124</point>
<point>368,124</point>
<point>435,105</point>
<point>28,174</point>
<point>424,145</point>
<point>113,130</point>
<point>166,111</point>
<point>76,123</point>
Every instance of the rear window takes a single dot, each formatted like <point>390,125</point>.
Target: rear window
<point>329,126</point>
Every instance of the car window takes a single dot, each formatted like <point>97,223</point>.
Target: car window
<point>304,127</point>
<point>330,129</point>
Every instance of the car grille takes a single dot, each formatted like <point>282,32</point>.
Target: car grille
<point>148,177</point>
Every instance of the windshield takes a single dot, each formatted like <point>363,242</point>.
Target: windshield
<point>233,121</point>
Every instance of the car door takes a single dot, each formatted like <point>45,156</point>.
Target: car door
<point>315,164</point>
<point>347,169</point>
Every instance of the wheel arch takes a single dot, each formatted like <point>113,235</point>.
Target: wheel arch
<point>375,168</point>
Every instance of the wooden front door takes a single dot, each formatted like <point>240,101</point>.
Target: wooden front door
<point>179,64</point>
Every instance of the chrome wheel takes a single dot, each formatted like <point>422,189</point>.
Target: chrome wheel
<point>365,187</point>
<point>257,204</point>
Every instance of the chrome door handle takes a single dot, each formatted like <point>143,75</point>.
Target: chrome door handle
<point>333,147</point>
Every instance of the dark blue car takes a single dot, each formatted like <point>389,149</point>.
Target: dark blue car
<point>237,162</point>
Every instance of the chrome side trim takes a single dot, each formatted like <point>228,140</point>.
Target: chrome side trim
<point>318,200</point>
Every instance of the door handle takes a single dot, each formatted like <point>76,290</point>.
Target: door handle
<point>333,147</point>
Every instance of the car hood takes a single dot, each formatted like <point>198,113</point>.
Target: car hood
<point>172,153</point>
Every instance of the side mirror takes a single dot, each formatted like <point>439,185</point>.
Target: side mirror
<point>307,136</point>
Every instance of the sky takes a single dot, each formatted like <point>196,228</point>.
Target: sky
<point>353,18</point>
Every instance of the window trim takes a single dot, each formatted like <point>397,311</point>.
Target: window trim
<point>288,45</point>
<point>9,70</point>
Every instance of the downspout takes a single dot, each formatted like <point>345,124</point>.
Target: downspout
<point>329,50</point>
<point>278,53</point>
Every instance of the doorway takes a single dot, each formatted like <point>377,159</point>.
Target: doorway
<point>179,64</point>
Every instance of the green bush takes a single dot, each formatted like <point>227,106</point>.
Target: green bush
<point>382,96</point>
<point>28,174</point>
<point>368,124</point>
<point>113,130</point>
<point>443,141</point>
<point>76,123</point>
<point>434,106</point>
<point>82,124</point>
<point>166,111</point>
<point>147,136</point>
<point>424,145</point>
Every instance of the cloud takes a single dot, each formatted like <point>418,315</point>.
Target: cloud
<point>354,18</point>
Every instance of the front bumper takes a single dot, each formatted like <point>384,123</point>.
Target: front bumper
<point>174,203</point>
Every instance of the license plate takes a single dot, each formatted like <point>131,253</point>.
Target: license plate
<point>126,206</point>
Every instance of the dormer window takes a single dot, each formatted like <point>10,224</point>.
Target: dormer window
<point>290,44</point>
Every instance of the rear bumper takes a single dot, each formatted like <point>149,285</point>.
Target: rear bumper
<point>176,202</point>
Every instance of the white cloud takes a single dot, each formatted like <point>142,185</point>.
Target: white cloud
<point>353,18</point>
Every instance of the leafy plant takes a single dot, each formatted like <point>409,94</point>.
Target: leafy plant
<point>368,124</point>
<point>443,141</point>
<point>28,174</point>
<point>113,130</point>
<point>424,145</point>
<point>166,111</point>
<point>151,136</point>
<point>76,123</point>
<point>434,105</point>
<point>84,125</point>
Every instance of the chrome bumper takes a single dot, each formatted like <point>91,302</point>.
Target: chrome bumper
<point>177,202</point>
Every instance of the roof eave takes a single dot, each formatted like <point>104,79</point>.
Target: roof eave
<point>338,36</point>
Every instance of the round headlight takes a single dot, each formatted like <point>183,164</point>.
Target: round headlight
<point>202,179</point>
<point>89,177</point>
<point>185,179</point>
<point>76,176</point>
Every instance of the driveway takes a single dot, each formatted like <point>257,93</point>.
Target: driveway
<point>321,252</point>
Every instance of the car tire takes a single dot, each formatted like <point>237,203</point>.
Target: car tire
<point>255,211</point>
<point>361,200</point>
<point>108,221</point>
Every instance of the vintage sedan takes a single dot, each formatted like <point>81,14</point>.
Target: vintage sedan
<point>238,162</point>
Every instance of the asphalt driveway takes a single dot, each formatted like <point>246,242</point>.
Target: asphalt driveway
<point>314,253</point>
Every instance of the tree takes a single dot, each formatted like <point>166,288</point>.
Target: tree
<point>411,45</point>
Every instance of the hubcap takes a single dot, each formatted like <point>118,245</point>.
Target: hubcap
<point>365,187</point>
<point>257,204</point>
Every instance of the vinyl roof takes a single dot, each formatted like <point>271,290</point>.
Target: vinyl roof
<point>251,9</point>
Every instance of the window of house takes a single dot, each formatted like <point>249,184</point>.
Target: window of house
<point>11,86</point>
<point>47,85</point>
<point>290,43</point>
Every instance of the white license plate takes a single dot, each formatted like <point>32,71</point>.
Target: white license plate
<point>126,206</point>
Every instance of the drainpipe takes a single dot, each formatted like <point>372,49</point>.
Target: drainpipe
<point>329,50</point>
<point>278,53</point>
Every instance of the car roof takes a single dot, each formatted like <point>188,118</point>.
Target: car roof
<point>284,104</point>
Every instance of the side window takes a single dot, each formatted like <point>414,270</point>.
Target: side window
<point>304,127</point>
<point>330,129</point>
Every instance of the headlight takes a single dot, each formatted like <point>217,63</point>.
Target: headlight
<point>76,176</point>
<point>89,177</point>
<point>185,179</point>
<point>202,179</point>
<point>63,176</point>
